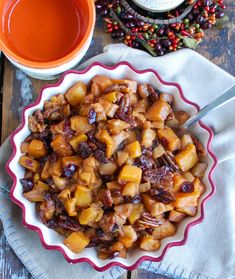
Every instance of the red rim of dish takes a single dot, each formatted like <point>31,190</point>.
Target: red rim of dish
<point>114,263</point>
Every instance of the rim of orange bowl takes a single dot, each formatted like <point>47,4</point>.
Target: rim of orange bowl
<point>91,17</point>
<point>114,262</point>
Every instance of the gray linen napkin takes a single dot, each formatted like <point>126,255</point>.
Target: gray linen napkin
<point>210,249</point>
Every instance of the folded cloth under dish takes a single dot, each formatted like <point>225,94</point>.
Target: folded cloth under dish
<point>210,248</point>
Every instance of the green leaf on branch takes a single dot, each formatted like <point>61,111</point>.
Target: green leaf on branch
<point>147,46</point>
<point>190,42</point>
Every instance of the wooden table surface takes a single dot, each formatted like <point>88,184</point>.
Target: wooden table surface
<point>17,90</point>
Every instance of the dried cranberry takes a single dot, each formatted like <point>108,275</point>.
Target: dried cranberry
<point>84,150</point>
<point>92,116</point>
<point>115,228</point>
<point>46,137</point>
<point>69,170</point>
<point>144,162</point>
<point>67,128</point>
<point>59,208</point>
<point>27,184</point>
<point>113,255</point>
<point>187,187</point>
<point>101,157</point>
<point>134,200</point>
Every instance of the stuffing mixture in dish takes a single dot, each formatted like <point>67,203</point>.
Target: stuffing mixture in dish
<point>106,167</point>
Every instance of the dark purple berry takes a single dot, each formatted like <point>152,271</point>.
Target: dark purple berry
<point>130,24</point>
<point>27,184</point>
<point>84,150</point>
<point>140,23</point>
<point>187,187</point>
<point>128,16</point>
<point>200,19</point>
<point>69,170</point>
<point>206,25</point>
<point>101,157</point>
<point>92,116</point>
<point>104,12</point>
<point>219,14</point>
<point>158,46</point>
<point>166,43</point>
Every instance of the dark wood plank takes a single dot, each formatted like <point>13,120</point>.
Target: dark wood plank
<point>219,43</point>
<point>143,274</point>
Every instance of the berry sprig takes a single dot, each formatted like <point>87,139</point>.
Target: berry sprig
<point>159,39</point>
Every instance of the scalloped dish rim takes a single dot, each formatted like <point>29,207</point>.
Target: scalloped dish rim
<point>115,262</point>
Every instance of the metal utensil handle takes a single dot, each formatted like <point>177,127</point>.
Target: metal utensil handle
<point>229,95</point>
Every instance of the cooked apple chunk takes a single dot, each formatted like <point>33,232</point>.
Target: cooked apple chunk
<point>37,149</point>
<point>164,230</point>
<point>134,149</point>
<point>169,139</point>
<point>130,174</point>
<point>187,158</point>
<point>149,243</point>
<point>83,196</point>
<point>76,241</point>
<point>29,163</point>
<point>158,111</point>
<point>61,147</point>
<point>76,93</point>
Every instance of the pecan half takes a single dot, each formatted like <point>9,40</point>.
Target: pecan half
<point>168,160</point>
<point>147,221</point>
<point>144,162</point>
<point>92,116</point>
<point>165,196</point>
<point>68,223</point>
<point>106,198</point>
<point>125,111</point>
<point>199,147</point>
<point>156,175</point>
<point>153,95</point>
<point>115,87</point>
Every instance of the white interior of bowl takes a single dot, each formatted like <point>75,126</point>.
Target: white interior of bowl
<point>123,71</point>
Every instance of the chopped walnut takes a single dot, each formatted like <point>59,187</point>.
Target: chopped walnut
<point>36,122</point>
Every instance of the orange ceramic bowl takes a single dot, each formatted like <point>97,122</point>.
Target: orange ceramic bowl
<point>86,10</point>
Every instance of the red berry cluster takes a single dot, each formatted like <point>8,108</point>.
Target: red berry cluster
<point>159,39</point>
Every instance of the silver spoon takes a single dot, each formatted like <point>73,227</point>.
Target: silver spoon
<point>226,97</point>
